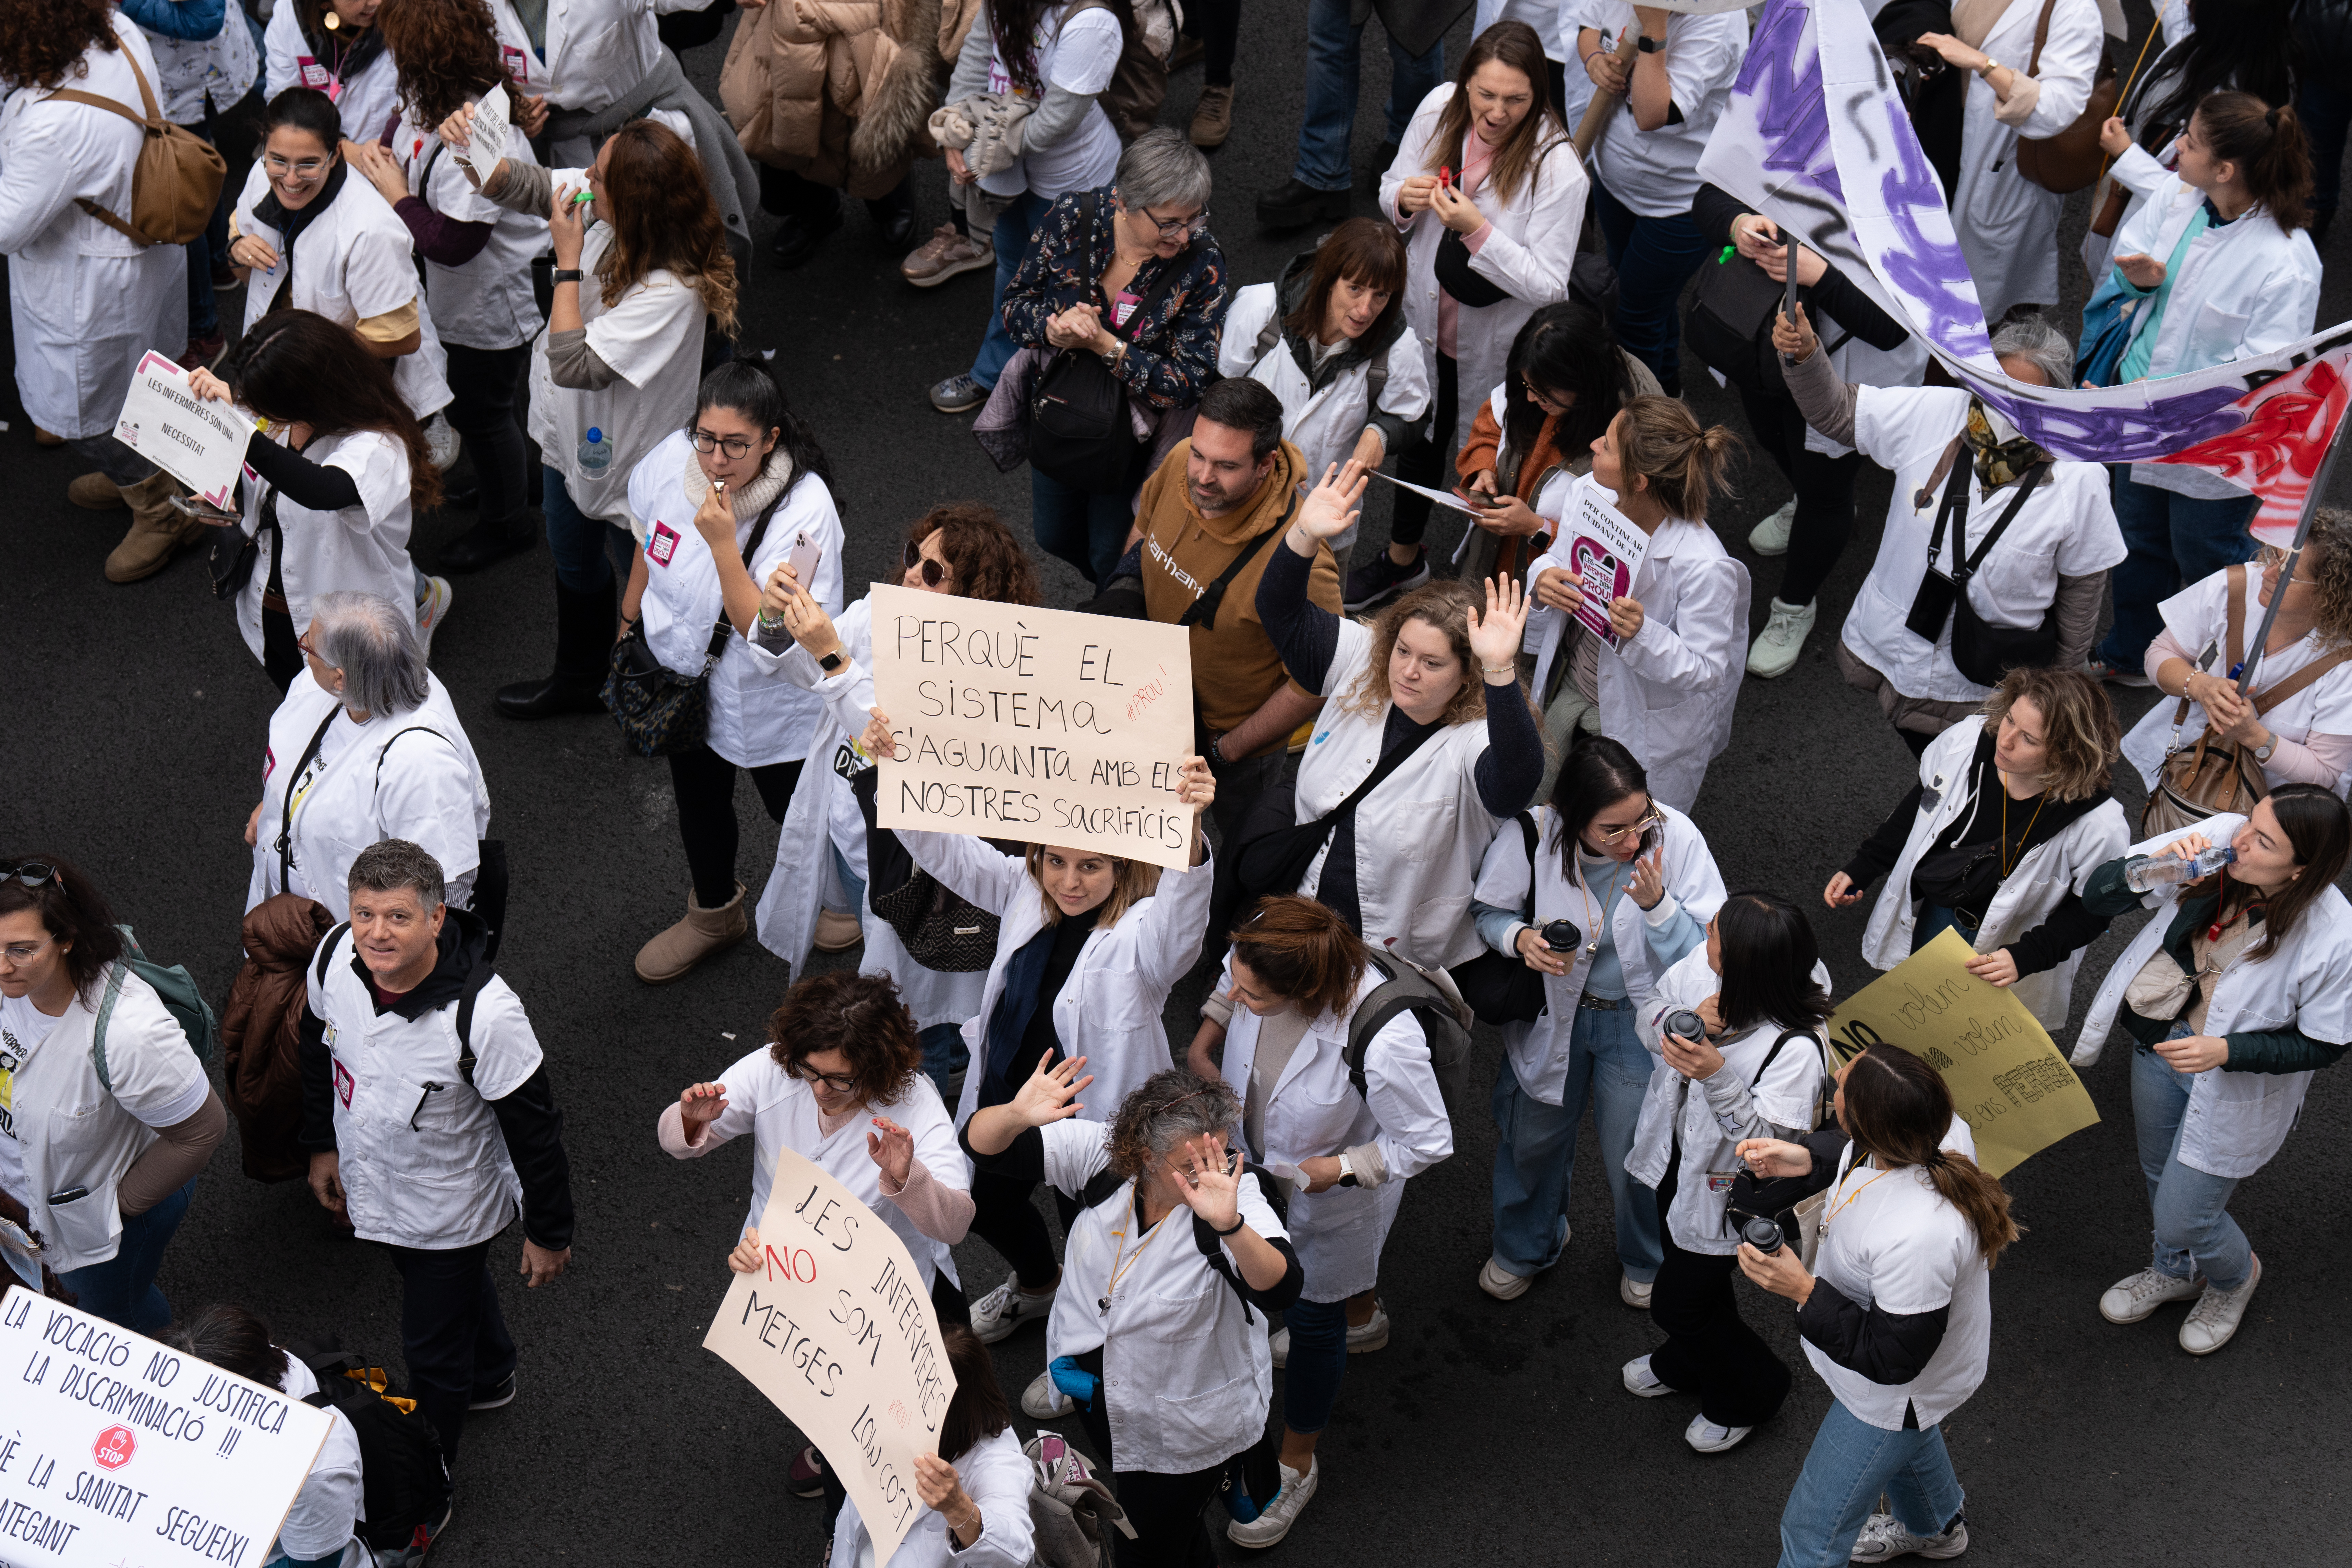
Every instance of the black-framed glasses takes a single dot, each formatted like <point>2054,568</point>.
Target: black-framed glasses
<point>735,447</point>
<point>32,873</point>
<point>840,1083</point>
<point>933,573</point>
<point>1170,227</point>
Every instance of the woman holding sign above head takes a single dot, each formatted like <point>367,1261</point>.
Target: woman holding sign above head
<point>1158,1333</point>
<point>1666,671</point>
<point>333,47</point>
<point>2235,994</point>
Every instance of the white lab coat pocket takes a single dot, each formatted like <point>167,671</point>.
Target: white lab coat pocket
<point>44,290</point>
<point>1213,1423</point>
<point>2017,583</point>
<point>2216,336</point>
<point>89,1227</point>
<point>1421,829</point>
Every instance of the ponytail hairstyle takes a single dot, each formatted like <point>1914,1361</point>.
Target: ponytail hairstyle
<point>749,388</point>
<point>1768,953</point>
<point>1597,773</point>
<point>2270,148</point>
<point>1661,440</point>
<point>1569,352</point>
<point>1517,47</point>
<point>1164,1110</point>
<point>2318,825</point>
<point>1302,950</point>
<point>1897,1110</point>
<point>297,366</point>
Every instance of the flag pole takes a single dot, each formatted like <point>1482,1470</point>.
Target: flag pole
<point>2311,502</point>
<point>1604,104</point>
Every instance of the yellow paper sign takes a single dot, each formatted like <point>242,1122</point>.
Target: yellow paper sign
<point>1048,725</point>
<point>2009,1083</point>
<point>838,1332</point>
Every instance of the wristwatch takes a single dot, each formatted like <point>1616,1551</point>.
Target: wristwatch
<point>2263,752</point>
<point>1111,356</point>
<point>830,662</point>
<point>567,274</point>
<point>1347,1172</point>
<point>1649,46</point>
<point>1216,748</point>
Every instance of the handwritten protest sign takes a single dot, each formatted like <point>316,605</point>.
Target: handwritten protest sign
<point>117,1448</point>
<point>1603,550</point>
<point>1014,722</point>
<point>200,444</point>
<point>838,1332</point>
<point>486,138</point>
<point>2008,1082</point>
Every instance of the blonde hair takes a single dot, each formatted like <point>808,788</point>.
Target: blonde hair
<point>1660,440</point>
<point>1446,605</point>
<point>2080,733</point>
<point>1131,882</point>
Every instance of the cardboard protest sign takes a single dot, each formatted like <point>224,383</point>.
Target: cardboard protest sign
<point>119,1449</point>
<point>1603,550</point>
<point>1047,725</point>
<point>486,138</point>
<point>200,444</point>
<point>838,1332</point>
<point>2008,1082</point>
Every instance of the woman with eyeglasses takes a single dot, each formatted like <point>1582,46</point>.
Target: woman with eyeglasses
<point>103,1161</point>
<point>1126,273</point>
<point>724,504</point>
<point>1158,1332</point>
<point>1634,884</point>
<point>334,47</point>
<point>815,898</point>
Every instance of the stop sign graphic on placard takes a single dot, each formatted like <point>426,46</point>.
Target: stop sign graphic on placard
<point>114,1448</point>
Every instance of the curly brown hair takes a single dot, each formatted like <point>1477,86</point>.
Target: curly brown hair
<point>1167,1109</point>
<point>446,54</point>
<point>2327,564</point>
<point>1444,604</point>
<point>42,41</point>
<point>861,1017</point>
<point>663,218</point>
<point>988,560</point>
<point>2080,732</point>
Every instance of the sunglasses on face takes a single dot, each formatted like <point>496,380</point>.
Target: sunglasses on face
<point>933,573</point>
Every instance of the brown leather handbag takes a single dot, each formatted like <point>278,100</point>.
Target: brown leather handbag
<point>2110,213</point>
<point>2215,774</point>
<point>2070,161</point>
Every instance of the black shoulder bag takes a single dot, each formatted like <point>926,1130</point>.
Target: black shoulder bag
<point>941,930</point>
<point>1773,1199</point>
<point>1499,987</point>
<point>1982,652</point>
<point>660,711</point>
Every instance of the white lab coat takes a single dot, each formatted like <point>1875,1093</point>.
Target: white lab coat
<point>332,1507</point>
<point>429,791</point>
<point>1668,694</point>
<point>996,1476</point>
<point>486,304</point>
<point>2066,527</point>
<point>1187,1375</point>
<point>1538,1051</point>
<point>2044,875</point>
<point>2237,1120</point>
<point>353,261</point>
<point>2139,172</point>
<point>755,719</point>
<point>1529,248</point>
<point>1109,1008</point>
<point>2007,225</point>
<point>360,549</point>
<point>824,817</point>
<point>2198,616</point>
<point>85,301</point>
<point>1419,835</point>
<point>1707,1114</point>
<point>1314,1111</point>
<point>369,102</point>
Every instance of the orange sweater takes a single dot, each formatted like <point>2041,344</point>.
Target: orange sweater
<point>1513,556</point>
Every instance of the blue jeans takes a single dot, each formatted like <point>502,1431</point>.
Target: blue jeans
<point>1318,1361</point>
<point>1334,58</point>
<point>1081,527</point>
<point>1851,1463</point>
<point>1938,918</point>
<point>1014,225</point>
<point>2194,1232</point>
<point>2173,540</point>
<point>944,1052</point>
<point>122,1288</point>
<point>587,550</point>
<point>1654,257</point>
<point>1535,1154</point>
<point>208,249</point>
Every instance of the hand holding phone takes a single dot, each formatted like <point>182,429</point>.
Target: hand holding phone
<point>805,553</point>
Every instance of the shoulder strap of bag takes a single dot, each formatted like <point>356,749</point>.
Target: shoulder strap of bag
<point>1786,1036</point>
<point>327,950</point>
<point>1267,336</point>
<point>411,729</point>
<point>1202,611</point>
<point>1527,831</point>
<point>2234,650</point>
<point>2271,697</point>
<point>105,1015</point>
<point>285,816</point>
<point>1956,504</point>
<point>1967,567</point>
<point>152,123</point>
<point>480,977</point>
<point>723,628</point>
<point>1376,380</point>
<point>1379,774</point>
<point>2040,37</point>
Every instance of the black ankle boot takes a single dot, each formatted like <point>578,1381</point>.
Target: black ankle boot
<point>583,641</point>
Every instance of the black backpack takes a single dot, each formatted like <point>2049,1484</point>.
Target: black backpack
<point>1429,996</point>
<point>405,1481</point>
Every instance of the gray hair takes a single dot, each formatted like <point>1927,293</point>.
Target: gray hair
<point>373,642</point>
<point>1166,1110</point>
<point>391,864</point>
<point>1160,169</point>
<point>2033,340</point>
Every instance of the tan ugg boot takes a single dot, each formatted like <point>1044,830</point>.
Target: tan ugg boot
<point>95,492</point>
<point>836,932</point>
<point>701,933</point>
<point>157,530</point>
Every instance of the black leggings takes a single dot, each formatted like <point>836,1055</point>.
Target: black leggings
<point>281,656</point>
<point>1824,487</point>
<point>705,784</point>
<point>1218,24</point>
<point>1004,1217</point>
<point>1710,1351</point>
<point>1427,463</point>
<point>485,392</point>
<point>1164,1509</point>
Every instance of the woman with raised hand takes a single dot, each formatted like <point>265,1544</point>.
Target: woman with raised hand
<point>1400,700</point>
<point>1158,1333</point>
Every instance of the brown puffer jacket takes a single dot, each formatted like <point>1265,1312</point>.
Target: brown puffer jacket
<point>838,91</point>
<point>260,1033</point>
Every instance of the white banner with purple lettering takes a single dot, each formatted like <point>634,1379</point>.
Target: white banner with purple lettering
<point>1816,138</point>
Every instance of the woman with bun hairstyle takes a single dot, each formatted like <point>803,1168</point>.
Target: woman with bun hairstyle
<point>2233,1000</point>
<point>1636,880</point>
<point>1895,1314</point>
<point>1667,686</point>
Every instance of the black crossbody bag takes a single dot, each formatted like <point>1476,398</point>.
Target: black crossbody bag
<point>660,711</point>
<point>1499,987</point>
<point>1982,652</point>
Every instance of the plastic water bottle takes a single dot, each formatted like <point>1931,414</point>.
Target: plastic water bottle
<point>2144,872</point>
<point>595,452</point>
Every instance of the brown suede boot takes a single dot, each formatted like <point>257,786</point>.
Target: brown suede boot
<point>157,530</point>
<point>701,933</point>
<point>836,932</point>
<point>95,492</point>
<point>1213,117</point>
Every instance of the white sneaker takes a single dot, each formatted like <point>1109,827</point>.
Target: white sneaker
<point>1501,1283</point>
<point>1371,1334</point>
<point>432,611</point>
<point>1771,537</point>
<point>1775,650</point>
<point>2129,1301</point>
<point>1634,1293</point>
<point>1640,1380</point>
<point>1707,1437</point>
<point>1884,1538</point>
<point>995,1315</point>
<point>2216,1315</point>
<point>1040,1401</point>
<point>441,442</point>
<point>1274,1522</point>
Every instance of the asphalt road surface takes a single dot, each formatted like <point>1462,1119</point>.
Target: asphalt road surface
<point>1484,1432</point>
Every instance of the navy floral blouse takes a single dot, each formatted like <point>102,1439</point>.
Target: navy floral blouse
<point>1171,353</point>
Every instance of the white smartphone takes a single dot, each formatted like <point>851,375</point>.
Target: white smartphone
<point>803,561</point>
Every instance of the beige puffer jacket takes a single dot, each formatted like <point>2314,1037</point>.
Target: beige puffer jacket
<point>838,91</point>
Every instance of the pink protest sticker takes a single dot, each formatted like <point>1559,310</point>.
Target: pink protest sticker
<point>663,544</point>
